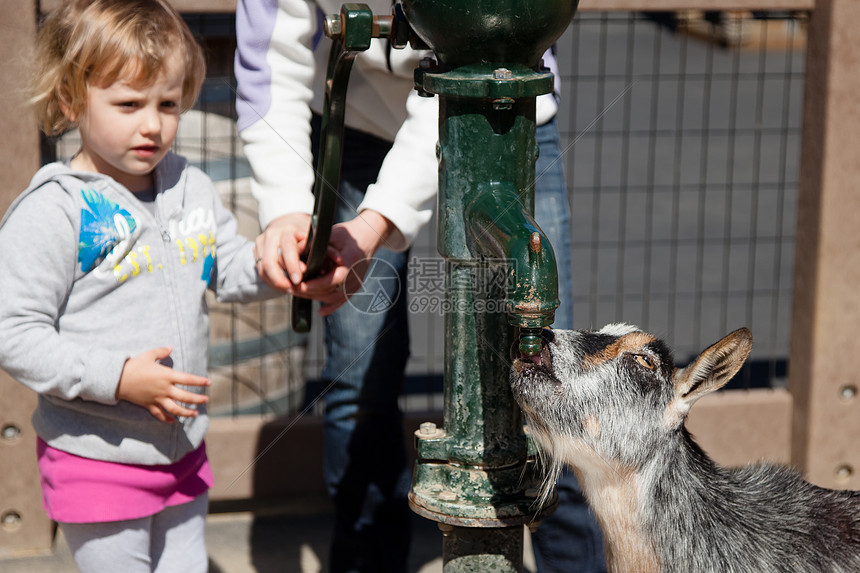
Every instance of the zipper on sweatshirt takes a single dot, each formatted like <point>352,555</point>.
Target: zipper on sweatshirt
<point>165,232</point>
<point>169,276</point>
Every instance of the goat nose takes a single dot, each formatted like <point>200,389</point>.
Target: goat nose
<point>547,335</point>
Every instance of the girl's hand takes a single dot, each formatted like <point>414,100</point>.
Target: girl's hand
<point>146,382</point>
<point>278,250</point>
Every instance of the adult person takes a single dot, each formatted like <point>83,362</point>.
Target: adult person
<point>388,185</point>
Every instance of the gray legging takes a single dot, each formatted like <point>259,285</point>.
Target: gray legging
<point>167,542</point>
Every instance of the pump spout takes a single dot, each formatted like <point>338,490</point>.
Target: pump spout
<point>500,227</point>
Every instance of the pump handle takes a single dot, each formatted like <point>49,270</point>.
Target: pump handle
<point>350,32</point>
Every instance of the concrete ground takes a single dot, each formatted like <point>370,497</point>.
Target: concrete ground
<point>266,542</point>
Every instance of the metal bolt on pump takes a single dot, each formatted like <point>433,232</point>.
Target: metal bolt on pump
<point>475,476</point>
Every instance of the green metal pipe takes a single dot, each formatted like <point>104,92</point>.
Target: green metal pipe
<point>476,473</point>
<point>475,476</point>
<point>481,418</point>
<point>486,175</point>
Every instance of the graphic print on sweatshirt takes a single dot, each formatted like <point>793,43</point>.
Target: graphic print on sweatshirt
<point>107,234</point>
<point>105,230</point>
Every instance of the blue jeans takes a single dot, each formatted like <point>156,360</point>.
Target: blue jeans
<point>552,213</point>
<point>367,344</point>
<point>568,540</point>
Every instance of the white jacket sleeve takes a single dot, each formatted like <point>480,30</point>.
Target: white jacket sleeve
<point>275,71</point>
<point>405,189</point>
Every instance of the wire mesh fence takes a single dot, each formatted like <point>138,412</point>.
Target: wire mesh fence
<point>683,149</point>
<point>681,138</point>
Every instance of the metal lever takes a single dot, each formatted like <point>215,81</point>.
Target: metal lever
<point>351,32</point>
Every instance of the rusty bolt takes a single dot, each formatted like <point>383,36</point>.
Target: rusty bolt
<point>535,243</point>
<point>502,74</point>
<point>427,428</point>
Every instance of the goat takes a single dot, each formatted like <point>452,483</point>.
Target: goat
<point>612,405</point>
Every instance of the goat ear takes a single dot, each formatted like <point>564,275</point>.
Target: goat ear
<point>713,368</point>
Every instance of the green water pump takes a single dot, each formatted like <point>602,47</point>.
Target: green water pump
<point>476,476</point>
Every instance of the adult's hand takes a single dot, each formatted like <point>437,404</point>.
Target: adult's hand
<point>278,248</point>
<point>351,248</point>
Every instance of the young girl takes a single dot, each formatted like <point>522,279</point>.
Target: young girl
<point>104,263</point>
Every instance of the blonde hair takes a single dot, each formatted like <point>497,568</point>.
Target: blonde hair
<point>95,42</point>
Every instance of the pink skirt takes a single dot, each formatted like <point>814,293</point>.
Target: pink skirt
<point>82,490</point>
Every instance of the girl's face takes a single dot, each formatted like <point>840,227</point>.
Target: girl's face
<point>127,129</point>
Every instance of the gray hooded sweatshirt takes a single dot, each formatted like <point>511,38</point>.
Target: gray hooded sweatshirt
<point>90,278</point>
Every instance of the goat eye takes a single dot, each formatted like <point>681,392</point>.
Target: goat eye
<point>645,361</point>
